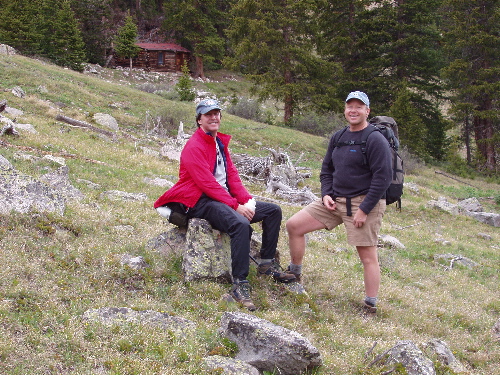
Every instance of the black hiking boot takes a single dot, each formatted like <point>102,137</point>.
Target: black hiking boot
<point>274,269</point>
<point>241,294</point>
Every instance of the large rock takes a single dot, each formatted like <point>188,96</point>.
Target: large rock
<point>59,180</point>
<point>411,357</point>
<point>207,254</point>
<point>440,350</point>
<point>106,120</point>
<point>23,193</point>
<point>267,346</point>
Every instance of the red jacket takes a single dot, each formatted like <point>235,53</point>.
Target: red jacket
<point>196,175</point>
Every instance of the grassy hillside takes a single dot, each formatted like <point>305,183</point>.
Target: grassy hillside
<point>55,268</point>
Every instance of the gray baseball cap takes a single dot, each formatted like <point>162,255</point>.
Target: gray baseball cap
<point>207,105</point>
<point>360,96</point>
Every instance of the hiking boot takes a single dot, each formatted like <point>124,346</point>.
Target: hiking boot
<point>369,308</point>
<point>298,276</point>
<point>274,269</point>
<point>241,294</point>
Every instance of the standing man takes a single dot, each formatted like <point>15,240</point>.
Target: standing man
<point>353,184</point>
<point>210,188</point>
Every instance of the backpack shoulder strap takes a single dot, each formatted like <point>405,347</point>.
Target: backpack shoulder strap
<point>337,136</point>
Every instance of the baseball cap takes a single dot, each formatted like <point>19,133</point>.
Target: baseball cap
<point>360,96</point>
<point>207,105</point>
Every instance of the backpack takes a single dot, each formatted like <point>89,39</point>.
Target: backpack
<point>388,127</point>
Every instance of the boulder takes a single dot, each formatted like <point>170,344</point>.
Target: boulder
<point>411,357</point>
<point>229,366</point>
<point>440,350</point>
<point>267,346</point>
<point>23,193</point>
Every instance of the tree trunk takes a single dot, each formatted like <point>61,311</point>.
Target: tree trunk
<point>130,64</point>
<point>483,130</point>
<point>199,73</point>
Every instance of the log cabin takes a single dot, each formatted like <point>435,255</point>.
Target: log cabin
<point>157,57</point>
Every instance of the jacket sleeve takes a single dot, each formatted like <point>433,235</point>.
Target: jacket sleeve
<point>326,174</point>
<point>236,187</point>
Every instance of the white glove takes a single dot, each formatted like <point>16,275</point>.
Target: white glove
<point>251,204</point>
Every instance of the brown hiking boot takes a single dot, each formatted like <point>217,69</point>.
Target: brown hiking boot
<point>369,309</point>
<point>298,276</point>
<point>274,269</point>
<point>241,294</point>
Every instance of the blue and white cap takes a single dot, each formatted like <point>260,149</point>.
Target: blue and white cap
<point>207,105</point>
<point>360,96</point>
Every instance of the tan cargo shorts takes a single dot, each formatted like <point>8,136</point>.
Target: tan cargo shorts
<point>367,235</point>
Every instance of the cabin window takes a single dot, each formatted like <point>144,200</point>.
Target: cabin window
<point>160,58</point>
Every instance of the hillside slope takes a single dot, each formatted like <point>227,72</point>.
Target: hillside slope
<point>56,268</point>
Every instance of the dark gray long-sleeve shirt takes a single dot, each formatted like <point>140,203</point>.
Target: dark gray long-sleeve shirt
<point>343,173</point>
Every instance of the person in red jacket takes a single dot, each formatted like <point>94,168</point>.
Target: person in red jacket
<point>210,188</point>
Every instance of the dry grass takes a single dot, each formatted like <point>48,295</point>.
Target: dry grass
<point>55,268</point>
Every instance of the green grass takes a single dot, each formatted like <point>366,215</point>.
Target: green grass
<point>56,267</point>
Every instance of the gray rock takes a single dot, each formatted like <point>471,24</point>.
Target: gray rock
<point>230,366</point>
<point>5,163</point>
<point>106,120</point>
<point>18,91</point>
<point>439,349</point>
<point>27,127</point>
<point>444,205</point>
<point>267,346</point>
<point>470,204</point>
<point>59,180</point>
<point>486,218</point>
<point>158,182</point>
<point>136,263</point>
<point>7,50</point>
<point>412,358</point>
<point>207,254</point>
<point>459,259</point>
<point>390,241</point>
<point>123,315</point>
<point>22,193</point>
<point>13,111</point>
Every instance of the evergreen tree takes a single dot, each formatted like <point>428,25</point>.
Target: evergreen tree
<point>62,41</point>
<point>199,24</point>
<point>274,44</point>
<point>94,17</point>
<point>386,48</point>
<point>125,40</point>
<point>17,25</point>
<point>472,40</point>
<point>185,86</point>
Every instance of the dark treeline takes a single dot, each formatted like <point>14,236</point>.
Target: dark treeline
<point>413,57</point>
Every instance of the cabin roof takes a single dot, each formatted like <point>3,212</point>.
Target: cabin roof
<point>162,47</point>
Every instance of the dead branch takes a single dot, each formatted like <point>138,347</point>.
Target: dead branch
<point>456,179</point>
<point>83,124</point>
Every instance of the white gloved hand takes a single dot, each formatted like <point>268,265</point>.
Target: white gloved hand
<point>251,204</point>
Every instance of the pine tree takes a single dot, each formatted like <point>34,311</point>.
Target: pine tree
<point>274,44</point>
<point>185,86</point>
<point>386,48</point>
<point>62,42</point>
<point>94,17</point>
<point>199,24</point>
<point>472,40</point>
<point>125,40</point>
<point>17,25</point>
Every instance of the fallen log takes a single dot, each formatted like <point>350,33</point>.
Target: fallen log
<point>83,124</point>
